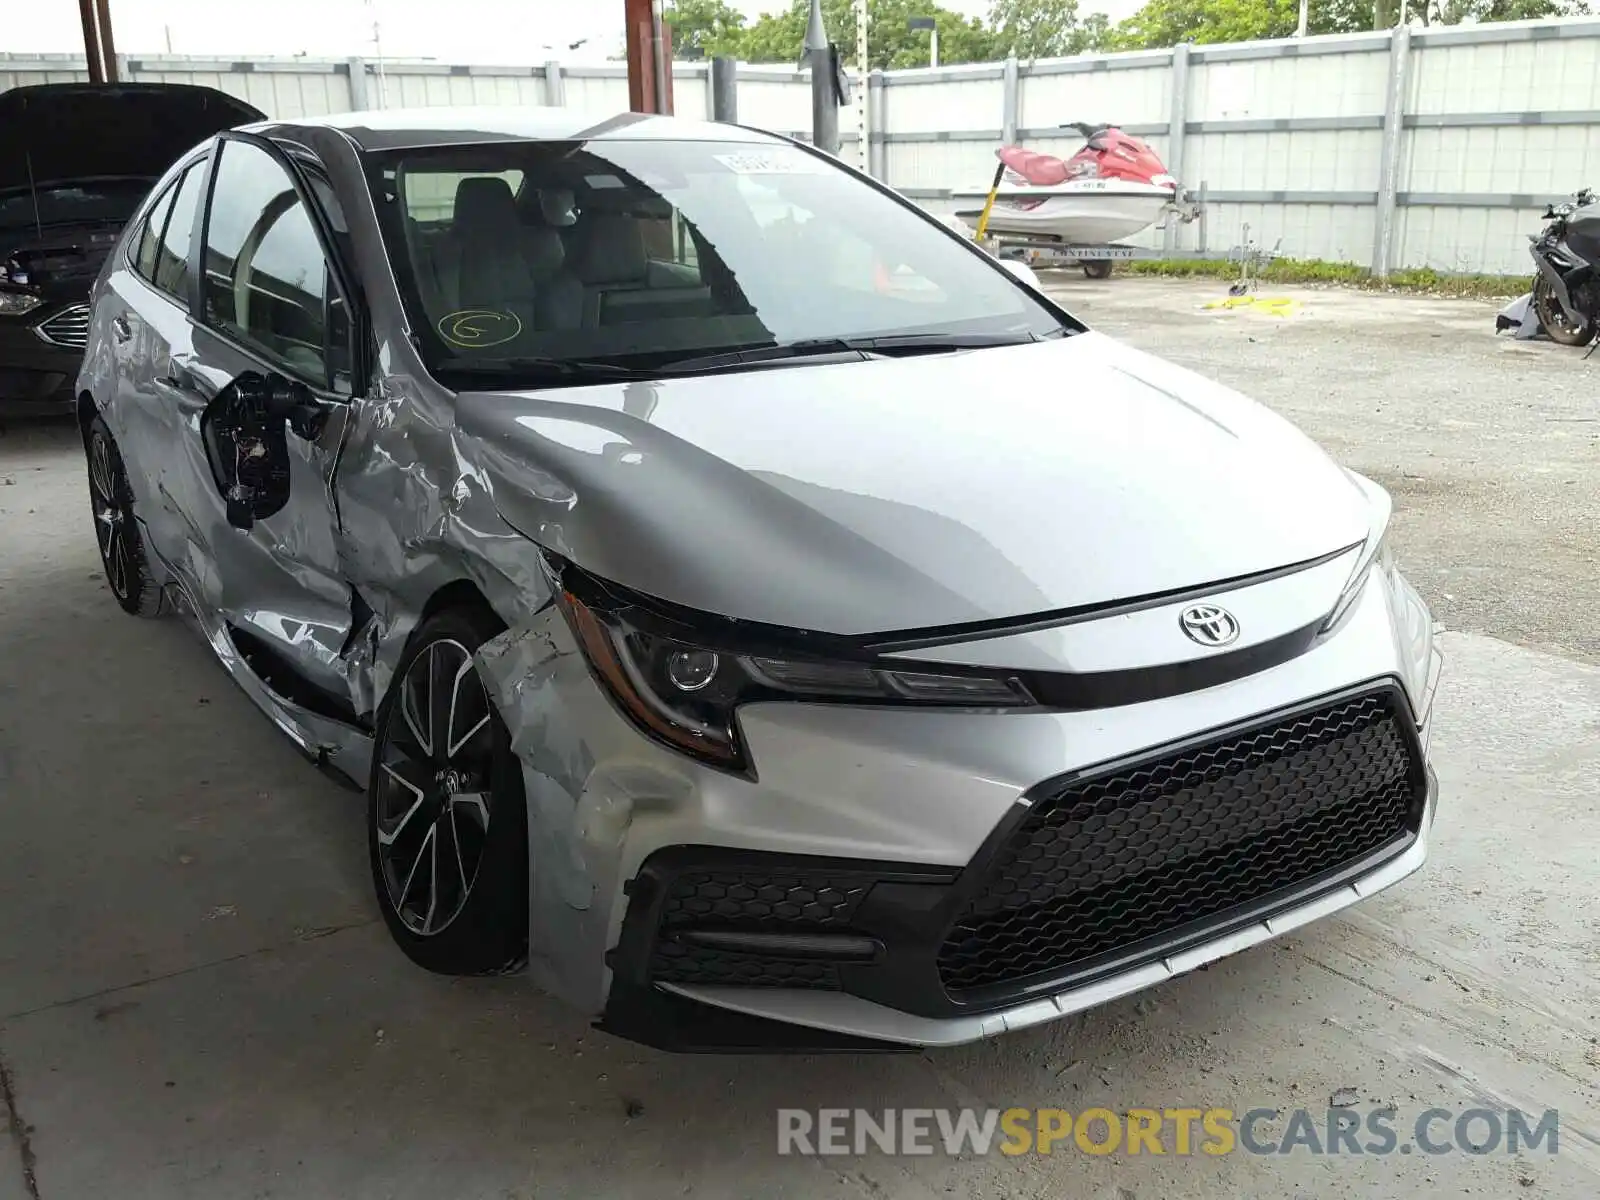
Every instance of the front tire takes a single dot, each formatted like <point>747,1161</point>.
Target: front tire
<point>117,530</point>
<point>447,821</point>
<point>1555,320</point>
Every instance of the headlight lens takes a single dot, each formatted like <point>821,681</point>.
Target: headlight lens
<point>14,304</point>
<point>1375,551</point>
<point>683,690</point>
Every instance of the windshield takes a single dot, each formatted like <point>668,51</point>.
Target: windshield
<point>83,202</point>
<point>642,253</point>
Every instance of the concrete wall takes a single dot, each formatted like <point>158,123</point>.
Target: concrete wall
<point>1415,148</point>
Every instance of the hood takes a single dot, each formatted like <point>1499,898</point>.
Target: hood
<point>84,130</point>
<point>905,494</point>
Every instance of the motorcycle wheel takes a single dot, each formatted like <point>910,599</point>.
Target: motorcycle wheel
<point>1555,320</point>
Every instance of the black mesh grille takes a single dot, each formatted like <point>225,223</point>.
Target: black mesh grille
<point>1112,861</point>
<point>752,902</point>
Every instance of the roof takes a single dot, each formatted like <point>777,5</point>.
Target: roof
<point>402,128</point>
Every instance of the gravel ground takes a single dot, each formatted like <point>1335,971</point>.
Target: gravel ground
<point>1490,446</point>
<point>197,999</point>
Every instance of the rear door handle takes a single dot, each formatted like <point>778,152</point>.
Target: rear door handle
<point>121,329</point>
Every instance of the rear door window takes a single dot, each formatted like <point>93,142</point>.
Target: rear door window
<point>172,257</point>
<point>144,259</point>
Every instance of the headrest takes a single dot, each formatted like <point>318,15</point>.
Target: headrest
<point>485,207</point>
<point>558,207</point>
<point>545,251</point>
<point>612,251</point>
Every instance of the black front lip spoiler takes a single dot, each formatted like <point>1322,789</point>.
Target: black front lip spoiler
<point>681,1025</point>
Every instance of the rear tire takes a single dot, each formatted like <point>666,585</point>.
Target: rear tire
<point>447,818</point>
<point>117,530</point>
<point>1098,269</point>
<point>1554,318</point>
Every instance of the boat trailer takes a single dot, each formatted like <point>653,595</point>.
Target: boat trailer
<point>1051,254</point>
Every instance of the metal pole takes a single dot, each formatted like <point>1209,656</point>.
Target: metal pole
<point>933,47</point>
<point>863,89</point>
<point>358,85</point>
<point>108,45</point>
<point>824,104</point>
<point>1305,16</point>
<point>659,58</point>
<point>1389,156</point>
<point>878,155</point>
<point>1010,101</point>
<point>725,90</point>
<point>555,88</point>
<point>1177,129</point>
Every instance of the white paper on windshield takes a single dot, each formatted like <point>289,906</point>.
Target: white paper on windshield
<point>758,162</point>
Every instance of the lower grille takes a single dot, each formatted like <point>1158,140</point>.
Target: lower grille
<point>1136,855</point>
<point>751,902</point>
<point>68,329</point>
<point>679,962</point>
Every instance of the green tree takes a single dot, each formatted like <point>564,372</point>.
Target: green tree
<point>780,37</point>
<point>1033,29</point>
<point>1461,12</point>
<point>1162,23</point>
<point>704,28</point>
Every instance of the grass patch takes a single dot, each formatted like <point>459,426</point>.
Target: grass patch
<point>1316,271</point>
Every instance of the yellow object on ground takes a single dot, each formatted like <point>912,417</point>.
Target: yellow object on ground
<point>1273,306</point>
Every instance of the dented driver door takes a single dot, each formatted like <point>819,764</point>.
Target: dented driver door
<point>266,395</point>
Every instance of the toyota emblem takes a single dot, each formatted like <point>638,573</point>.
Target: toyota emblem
<point>1208,624</point>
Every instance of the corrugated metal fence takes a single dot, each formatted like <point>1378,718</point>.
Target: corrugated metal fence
<point>1413,148</point>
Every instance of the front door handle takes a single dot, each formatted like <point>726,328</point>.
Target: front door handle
<point>178,374</point>
<point>121,329</point>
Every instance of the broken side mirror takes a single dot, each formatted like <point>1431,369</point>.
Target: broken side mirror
<point>244,430</point>
<point>279,398</point>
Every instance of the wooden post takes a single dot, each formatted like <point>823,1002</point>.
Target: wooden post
<point>649,46</point>
<point>108,45</point>
<point>91,41</point>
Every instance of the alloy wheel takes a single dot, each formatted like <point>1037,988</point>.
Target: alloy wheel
<point>434,788</point>
<point>111,516</point>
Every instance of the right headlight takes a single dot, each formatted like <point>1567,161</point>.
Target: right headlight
<point>1375,550</point>
<point>14,304</point>
<point>680,681</point>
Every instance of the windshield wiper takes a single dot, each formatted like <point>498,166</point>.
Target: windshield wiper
<point>771,352</point>
<point>881,346</point>
<point>581,370</point>
<point>567,370</point>
<point>934,343</point>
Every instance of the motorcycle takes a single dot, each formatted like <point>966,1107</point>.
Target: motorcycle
<point>1566,290</point>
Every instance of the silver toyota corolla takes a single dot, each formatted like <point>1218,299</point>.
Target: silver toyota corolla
<point>752,611</point>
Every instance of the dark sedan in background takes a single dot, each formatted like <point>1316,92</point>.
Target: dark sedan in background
<point>76,159</point>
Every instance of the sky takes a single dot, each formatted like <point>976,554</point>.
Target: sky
<point>505,32</point>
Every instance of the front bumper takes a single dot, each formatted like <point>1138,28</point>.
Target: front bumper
<point>36,378</point>
<point>899,813</point>
<point>688,1018</point>
<point>875,956</point>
